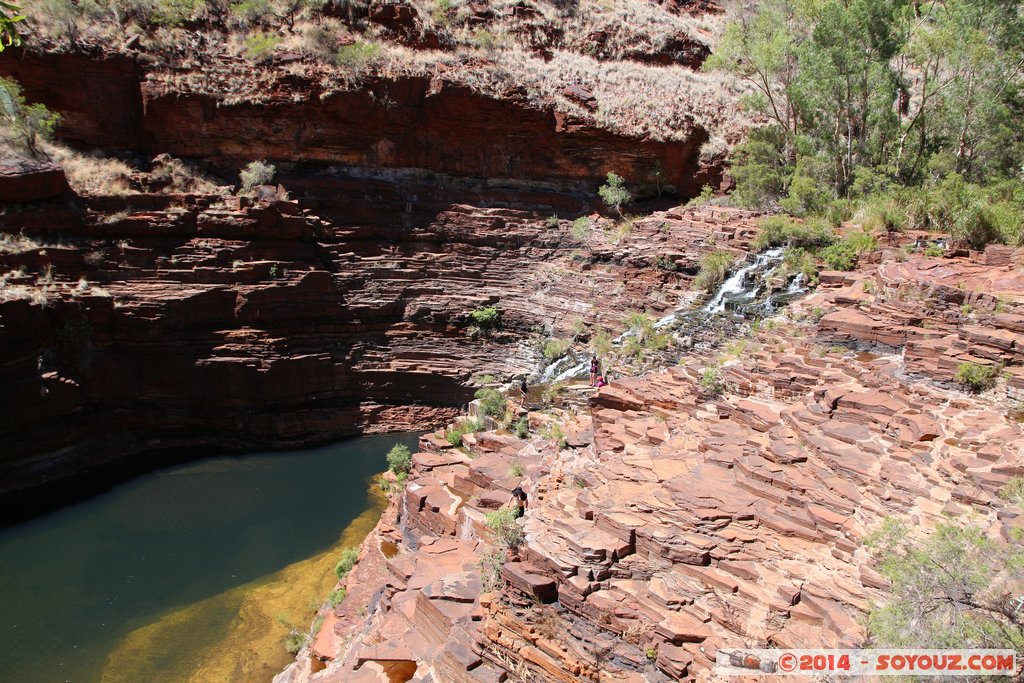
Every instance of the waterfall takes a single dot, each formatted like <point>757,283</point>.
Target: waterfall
<point>736,283</point>
<point>466,529</point>
<point>741,292</point>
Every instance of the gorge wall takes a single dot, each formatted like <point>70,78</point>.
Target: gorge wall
<point>143,323</point>
<point>414,122</point>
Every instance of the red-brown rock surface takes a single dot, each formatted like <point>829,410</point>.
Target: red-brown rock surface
<point>679,524</point>
<point>157,322</point>
<point>417,122</point>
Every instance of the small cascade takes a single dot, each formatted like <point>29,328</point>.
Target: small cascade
<point>737,287</point>
<point>466,528</point>
<point>751,291</point>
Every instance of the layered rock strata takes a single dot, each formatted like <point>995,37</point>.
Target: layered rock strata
<point>673,523</point>
<point>155,322</point>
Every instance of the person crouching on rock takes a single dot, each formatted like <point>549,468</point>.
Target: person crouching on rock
<point>595,367</point>
<point>518,501</point>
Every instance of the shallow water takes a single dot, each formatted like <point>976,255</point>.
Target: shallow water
<point>191,573</point>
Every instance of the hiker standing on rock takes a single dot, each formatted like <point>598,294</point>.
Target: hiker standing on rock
<point>595,367</point>
<point>518,501</point>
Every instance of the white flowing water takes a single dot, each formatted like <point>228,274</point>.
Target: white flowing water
<point>735,290</point>
<point>736,283</point>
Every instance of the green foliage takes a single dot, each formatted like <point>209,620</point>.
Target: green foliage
<point>455,433</point>
<point>556,348</point>
<point>978,377</point>
<point>515,469</point>
<point>522,428</point>
<point>337,596</point>
<point>798,260</point>
<point>781,231</point>
<point>707,193</point>
<point>948,591</point>
<point>824,75</point>
<point>843,255</point>
<point>551,221</point>
<point>506,531</point>
<point>581,228</point>
<point>492,402</point>
<point>934,251</point>
<point>554,432</point>
<point>9,16</point>
<point>711,381</point>
<point>358,58</point>
<point>347,561</point>
<point>400,459</point>
<point>24,126</point>
<point>713,269</point>
<point>601,342</point>
<point>761,169</point>
<point>256,173</point>
<point>614,192</point>
<point>295,641</point>
<point>176,12</point>
<point>1013,491</point>
<point>260,46</point>
<point>643,337</point>
<point>486,318</point>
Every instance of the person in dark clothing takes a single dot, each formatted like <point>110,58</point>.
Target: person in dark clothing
<point>523,390</point>
<point>518,500</point>
<point>595,367</point>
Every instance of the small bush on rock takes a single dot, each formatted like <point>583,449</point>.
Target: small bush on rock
<point>492,402</point>
<point>400,459</point>
<point>614,193</point>
<point>977,377</point>
<point>347,561</point>
<point>503,524</point>
<point>256,173</point>
<point>713,269</point>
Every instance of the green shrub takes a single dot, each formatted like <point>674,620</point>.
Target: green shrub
<point>260,46</point>
<point>522,428</point>
<point>486,318</point>
<point>551,221</point>
<point>357,58</point>
<point>176,12</point>
<point>713,269</point>
<point>295,641</point>
<point>949,590</point>
<point>643,336</point>
<point>601,342</point>
<point>515,469</point>
<point>10,14</point>
<point>809,192</point>
<point>554,432</point>
<point>506,530</point>
<point>711,381</point>
<point>492,402</point>
<point>455,433</point>
<point>798,260</point>
<point>934,251</point>
<point>337,596</point>
<point>256,173</point>
<point>760,169</point>
<point>978,377</point>
<point>556,348</point>
<point>843,255</point>
<point>782,231</point>
<point>1013,491</point>
<point>347,561</point>
<point>614,193</point>
<point>400,459</point>
<point>581,228</point>
<point>24,126</point>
